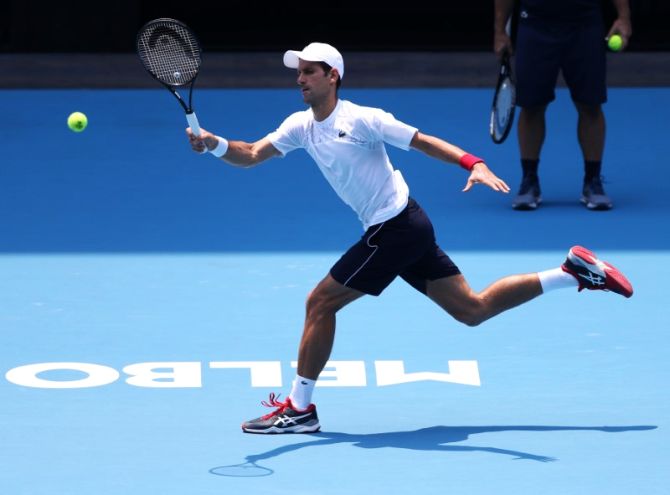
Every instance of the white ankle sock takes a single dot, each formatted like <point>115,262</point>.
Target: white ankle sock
<point>301,393</point>
<point>556,279</point>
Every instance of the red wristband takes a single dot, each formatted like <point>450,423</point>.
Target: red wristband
<point>468,161</point>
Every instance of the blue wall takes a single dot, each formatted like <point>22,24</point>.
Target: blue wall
<point>130,183</point>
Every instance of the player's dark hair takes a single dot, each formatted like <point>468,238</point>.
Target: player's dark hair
<point>327,68</point>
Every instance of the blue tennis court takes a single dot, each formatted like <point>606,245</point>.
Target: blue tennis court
<point>151,298</point>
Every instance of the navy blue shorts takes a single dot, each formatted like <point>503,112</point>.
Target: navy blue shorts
<point>404,245</point>
<point>577,49</point>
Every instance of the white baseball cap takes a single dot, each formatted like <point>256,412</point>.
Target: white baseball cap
<point>316,52</point>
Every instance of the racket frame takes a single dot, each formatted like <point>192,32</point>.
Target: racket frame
<point>188,107</point>
<point>505,74</point>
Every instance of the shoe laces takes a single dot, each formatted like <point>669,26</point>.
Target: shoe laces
<point>274,402</point>
<point>595,184</point>
<point>529,183</point>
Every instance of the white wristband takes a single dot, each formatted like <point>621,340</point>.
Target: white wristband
<point>221,148</point>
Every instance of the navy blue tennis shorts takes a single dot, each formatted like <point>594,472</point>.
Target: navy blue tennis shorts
<point>404,245</point>
<point>577,49</point>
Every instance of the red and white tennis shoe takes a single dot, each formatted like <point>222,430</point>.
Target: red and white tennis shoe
<point>285,419</point>
<point>595,274</point>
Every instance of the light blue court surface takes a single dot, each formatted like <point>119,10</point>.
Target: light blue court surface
<point>151,298</point>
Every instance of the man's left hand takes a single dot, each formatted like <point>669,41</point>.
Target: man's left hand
<point>480,174</point>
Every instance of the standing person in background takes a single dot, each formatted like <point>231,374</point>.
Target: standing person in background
<point>567,36</point>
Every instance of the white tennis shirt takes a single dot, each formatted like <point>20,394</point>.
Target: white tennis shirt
<point>349,149</point>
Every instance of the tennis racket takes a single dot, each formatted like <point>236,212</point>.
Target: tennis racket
<point>170,52</point>
<point>504,103</point>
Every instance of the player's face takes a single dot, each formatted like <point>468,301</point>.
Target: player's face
<point>316,84</point>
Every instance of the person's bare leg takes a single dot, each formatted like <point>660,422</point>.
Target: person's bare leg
<point>327,298</point>
<point>591,131</point>
<point>531,132</point>
<point>298,414</point>
<point>591,134</point>
<point>456,297</point>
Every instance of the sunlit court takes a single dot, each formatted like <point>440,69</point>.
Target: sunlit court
<point>152,297</point>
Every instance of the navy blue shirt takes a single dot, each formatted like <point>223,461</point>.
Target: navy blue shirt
<point>563,10</point>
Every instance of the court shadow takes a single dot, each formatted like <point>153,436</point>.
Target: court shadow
<point>434,438</point>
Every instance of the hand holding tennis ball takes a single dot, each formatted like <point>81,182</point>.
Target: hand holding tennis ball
<point>615,43</point>
<point>77,121</point>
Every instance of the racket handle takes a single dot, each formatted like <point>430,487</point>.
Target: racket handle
<point>193,123</point>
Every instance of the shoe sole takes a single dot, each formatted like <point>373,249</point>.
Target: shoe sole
<point>595,206</point>
<point>273,430</point>
<point>615,281</point>
<point>527,206</point>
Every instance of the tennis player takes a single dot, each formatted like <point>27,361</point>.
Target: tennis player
<point>347,142</point>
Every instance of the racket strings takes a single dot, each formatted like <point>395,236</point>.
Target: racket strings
<point>170,52</point>
<point>504,105</point>
<point>503,110</point>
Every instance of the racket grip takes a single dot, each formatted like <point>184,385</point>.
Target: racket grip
<point>193,123</point>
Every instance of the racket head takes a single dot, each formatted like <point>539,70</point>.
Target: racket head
<point>169,51</point>
<point>504,103</point>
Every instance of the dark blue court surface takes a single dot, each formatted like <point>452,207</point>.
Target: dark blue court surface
<point>151,298</point>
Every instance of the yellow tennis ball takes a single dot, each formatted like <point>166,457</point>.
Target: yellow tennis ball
<point>77,121</point>
<point>615,43</point>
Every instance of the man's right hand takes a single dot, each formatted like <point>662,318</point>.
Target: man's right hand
<point>203,143</point>
<point>502,44</point>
